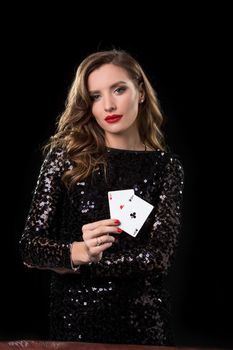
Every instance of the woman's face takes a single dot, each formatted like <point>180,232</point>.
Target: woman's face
<point>113,93</point>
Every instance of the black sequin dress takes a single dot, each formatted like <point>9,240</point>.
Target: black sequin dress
<point>122,298</point>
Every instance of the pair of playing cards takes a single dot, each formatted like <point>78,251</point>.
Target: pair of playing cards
<point>131,210</point>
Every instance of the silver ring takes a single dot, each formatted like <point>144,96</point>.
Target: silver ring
<point>98,242</point>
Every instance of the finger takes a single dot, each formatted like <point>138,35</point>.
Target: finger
<point>89,234</point>
<point>101,243</point>
<point>100,240</point>
<point>103,231</point>
<point>99,249</point>
<point>96,224</point>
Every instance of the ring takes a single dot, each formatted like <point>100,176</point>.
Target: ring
<point>98,242</point>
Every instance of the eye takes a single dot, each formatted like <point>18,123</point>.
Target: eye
<point>120,90</point>
<point>94,97</point>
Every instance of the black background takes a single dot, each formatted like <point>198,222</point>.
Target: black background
<point>185,54</point>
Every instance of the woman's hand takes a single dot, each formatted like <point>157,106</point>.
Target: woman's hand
<point>96,239</point>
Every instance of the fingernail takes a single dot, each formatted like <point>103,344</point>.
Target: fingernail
<point>117,222</point>
<point>119,229</point>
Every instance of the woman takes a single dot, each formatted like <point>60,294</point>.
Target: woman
<point>106,285</point>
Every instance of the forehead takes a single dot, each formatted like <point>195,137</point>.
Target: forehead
<point>107,75</point>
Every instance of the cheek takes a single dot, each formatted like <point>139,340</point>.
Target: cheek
<point>131,104</point>
<point>131,101</point>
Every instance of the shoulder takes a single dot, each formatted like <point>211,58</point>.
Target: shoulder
<point>170,163</point>
<point>168,156</point>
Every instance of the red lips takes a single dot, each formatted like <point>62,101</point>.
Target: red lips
<point>113,116</point>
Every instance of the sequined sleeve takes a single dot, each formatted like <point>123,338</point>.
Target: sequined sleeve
<point>38,245</point>
<point>158,254</point>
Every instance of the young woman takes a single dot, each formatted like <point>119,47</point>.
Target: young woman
<point>106,285</point>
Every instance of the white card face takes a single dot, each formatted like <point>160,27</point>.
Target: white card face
<point>134,214</point>
<point>117,201</point>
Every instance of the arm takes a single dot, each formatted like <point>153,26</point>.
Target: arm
<point>37,245</point>
<point>158,253</point>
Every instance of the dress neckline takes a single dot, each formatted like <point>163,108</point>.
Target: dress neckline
<point>109,149</point>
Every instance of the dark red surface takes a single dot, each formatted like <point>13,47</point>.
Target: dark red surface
<point>30,344</point>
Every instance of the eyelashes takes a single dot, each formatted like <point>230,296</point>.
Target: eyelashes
<point>120,90</point>
<point>94,97</point>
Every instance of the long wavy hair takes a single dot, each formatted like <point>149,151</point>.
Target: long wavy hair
<point>77,130</point>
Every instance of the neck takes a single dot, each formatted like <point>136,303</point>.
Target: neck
<point>128,144</point>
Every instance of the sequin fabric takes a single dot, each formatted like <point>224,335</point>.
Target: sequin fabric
<point>122,298</point>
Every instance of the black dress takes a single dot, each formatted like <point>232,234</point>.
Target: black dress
<point>122,298</point>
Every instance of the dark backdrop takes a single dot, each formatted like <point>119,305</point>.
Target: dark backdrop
<point>186,59</point>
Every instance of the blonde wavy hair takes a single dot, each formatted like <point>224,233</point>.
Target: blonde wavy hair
<point>78,132</point>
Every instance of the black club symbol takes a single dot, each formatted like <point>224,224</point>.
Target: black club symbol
<point>133,215</point>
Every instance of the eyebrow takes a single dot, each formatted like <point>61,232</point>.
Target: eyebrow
<point>111,87</point>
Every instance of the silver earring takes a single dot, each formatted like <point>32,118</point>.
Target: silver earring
<point>142,100</point>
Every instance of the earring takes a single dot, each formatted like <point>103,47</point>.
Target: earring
<point>142,100</point>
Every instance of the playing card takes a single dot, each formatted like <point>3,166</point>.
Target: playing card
<point>134,214</point>
<point>117,201</point>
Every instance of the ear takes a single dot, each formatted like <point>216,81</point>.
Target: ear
<point>141,95</point>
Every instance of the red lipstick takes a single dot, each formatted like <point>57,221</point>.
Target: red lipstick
<point>113,118</point>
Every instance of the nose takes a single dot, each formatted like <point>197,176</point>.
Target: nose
<point>109,104</point>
